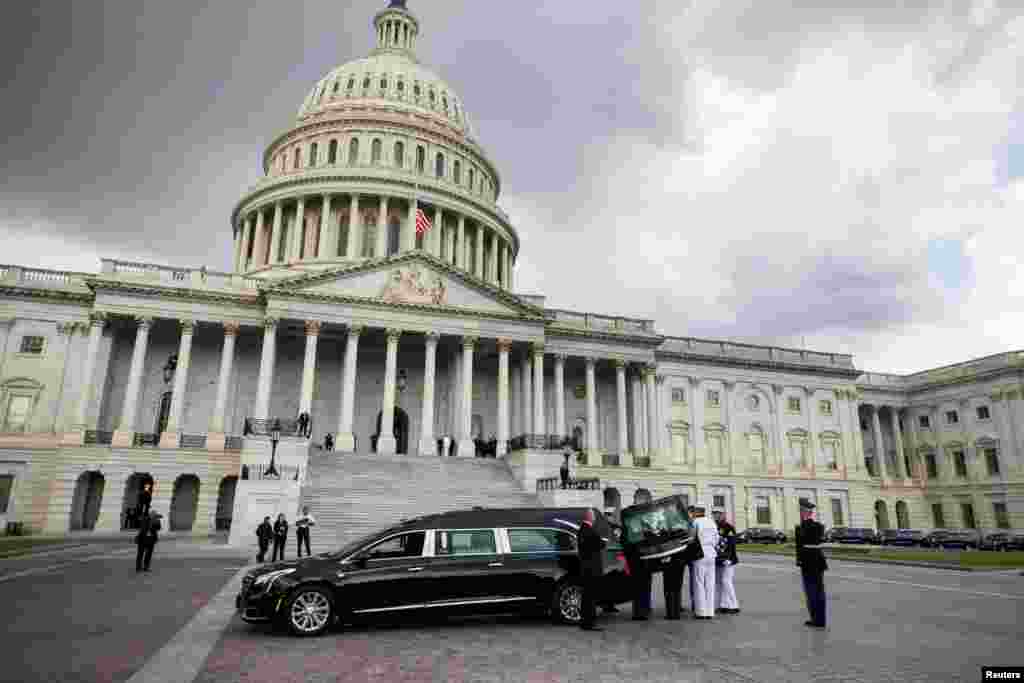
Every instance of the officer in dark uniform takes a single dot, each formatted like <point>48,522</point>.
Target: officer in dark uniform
<point>149,534</point>
<point>811,560</point>
<point>591,549</point>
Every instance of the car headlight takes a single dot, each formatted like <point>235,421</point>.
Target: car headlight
<point>271,577</point>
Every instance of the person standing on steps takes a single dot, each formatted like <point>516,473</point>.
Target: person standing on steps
<point>811,560</point>
<point>146,541</point>
<point>302,525</point>
<point>280,536</point>
<point>591,549</point>
<point>264,533</point>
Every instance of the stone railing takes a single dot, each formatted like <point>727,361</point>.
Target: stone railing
<point>555,484</point>
<point>141,439</point>
<point>179,277</point>
<point>542,442</point>
<point>755,353</point>
<point>261,472</point>
<point>610,459</point>
<point>192,441</point>
<point>259,427</point>
<point>602,323</point>
<point>642,461</point>
<point>41,277</point>
<point>98,438</point>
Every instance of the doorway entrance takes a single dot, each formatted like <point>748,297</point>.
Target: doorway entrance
<point>85,504</point>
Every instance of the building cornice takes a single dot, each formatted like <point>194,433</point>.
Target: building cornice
<point>556,330</point>
<point>62,295</point>
<point>751,363</point>
<point>179,293</point>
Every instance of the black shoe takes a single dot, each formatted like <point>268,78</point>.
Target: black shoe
<point>639,617</point>
<point>813,625</point>
<point>591,627</point>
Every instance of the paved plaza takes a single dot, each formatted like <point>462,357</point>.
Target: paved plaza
<point>83,614</point>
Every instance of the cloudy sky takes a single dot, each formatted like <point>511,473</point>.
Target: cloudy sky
<point>848,176</point>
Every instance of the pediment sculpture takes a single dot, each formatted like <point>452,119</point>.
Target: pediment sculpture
<point>414,286</point>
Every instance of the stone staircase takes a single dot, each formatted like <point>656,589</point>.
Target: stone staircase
<point>352,495</point>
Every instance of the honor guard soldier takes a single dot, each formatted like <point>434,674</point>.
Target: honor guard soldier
<point>811,560</point>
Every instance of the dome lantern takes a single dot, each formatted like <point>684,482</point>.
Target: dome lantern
<point>397,30</point>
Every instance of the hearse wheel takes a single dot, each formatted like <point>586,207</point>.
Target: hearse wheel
<point>567,602</point>
<point>308,612</point>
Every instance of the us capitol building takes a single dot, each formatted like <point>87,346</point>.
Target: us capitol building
<point>339,307</point>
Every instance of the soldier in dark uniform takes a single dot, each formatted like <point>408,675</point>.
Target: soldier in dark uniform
<point>591,549</point>
<point>264,534</point>
<point>146,541</point>
<point>811,560</point>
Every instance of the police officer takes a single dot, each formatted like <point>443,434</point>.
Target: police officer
<point>811,560</point>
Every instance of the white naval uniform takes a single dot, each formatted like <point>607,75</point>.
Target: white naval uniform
<point>703,571</point>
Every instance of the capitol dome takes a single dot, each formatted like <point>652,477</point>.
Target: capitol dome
<point>375,141</point>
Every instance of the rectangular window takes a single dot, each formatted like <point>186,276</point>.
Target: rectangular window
<point>924,421</point>
<point>837,512</point>
<point>1002,517</point>
<point>540,541</point>
<point>18,408</point>
<point>466,542</point>
<point>793,404</point>
<point>826,407</point>
<point>7,483</point>
<point>713,398</point>
<point>718,501</point>
<point>32,344</point>
<point>960,464</point>
<point>983,413</point>
<point>937,516</point>
<point>967,510</point>
<point>764,511</point>
<point>992,461</point>
<point>933,470</point>
<point>678,396</point>
<point>951,417</point>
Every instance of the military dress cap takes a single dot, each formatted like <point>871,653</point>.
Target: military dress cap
<point>806,505</point>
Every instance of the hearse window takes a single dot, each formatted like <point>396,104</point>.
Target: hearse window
<point>466,542</point>
<point>540,541</point>
<point>405,545</point>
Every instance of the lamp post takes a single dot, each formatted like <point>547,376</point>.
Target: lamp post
<point>275,436</point>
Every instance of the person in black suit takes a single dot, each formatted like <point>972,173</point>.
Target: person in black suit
<point>264,534</point>
<point>280,536</point>
<point>811,560</point>
<point>591,550</point>
<point>145,499</point>
<point>146,541</point>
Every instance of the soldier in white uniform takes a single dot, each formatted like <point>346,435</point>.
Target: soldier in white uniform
<point>703,571</point>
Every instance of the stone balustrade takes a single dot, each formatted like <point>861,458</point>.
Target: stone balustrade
<point>177,277</point>
<point>41,277</point>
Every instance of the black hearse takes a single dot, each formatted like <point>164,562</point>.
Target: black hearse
<point>658,533</point>
<point>474,561</point>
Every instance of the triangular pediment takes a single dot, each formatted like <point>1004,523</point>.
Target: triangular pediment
<point>410,279</point>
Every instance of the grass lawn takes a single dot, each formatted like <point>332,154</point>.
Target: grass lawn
<point>964,558</point>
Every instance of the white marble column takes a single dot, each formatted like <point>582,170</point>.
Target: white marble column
<point>539,416</point>
<point>436,232</point>
<point>813,449</point>
<point>511,266</point>
<point>382,228</point>
<point>97,321</point>
<point>353,248</point>
<point>620,405</point>
<point>259,248</point>
<point>345,440</point>
<point>125,434</point>
<point>844,433</point>
<point>901,464</point>
<point>639,447</point>
<point>593,452</point>
<point>309,367</point>
<point>652,414</point>
<point>504,345</point>
<point>526,370</point>
<point>275,235</point>
<point>515,403</point>
<point>268,356</point>
<point>428,444</point>
<point>466,447</point>
<point>696,419</point>
<point>460,248</point>
<point>880,459</point>
<point>664,406</point>
<point>858,435</point>
<point>171,437</point>
<point>780,427</point>
<point>560,428</point>
<point>299,238</point>
<point>386,444</point>
<point>478,270</point>
<point>216,436</point>
<point>327,244</point>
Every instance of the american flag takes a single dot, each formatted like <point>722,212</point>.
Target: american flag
<point>422,222</point>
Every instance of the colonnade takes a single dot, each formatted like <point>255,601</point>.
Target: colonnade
<point>280,233</point>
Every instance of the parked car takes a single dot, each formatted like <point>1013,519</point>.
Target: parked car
<point>760,535</point>
<point>853,535</point>
<point>1001,540</point>
<point>902,537</point>
<point>474,561</point>
<point>963,539</point>
<point>658,533</point>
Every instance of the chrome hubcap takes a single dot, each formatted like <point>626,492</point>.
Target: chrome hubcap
<point>570,602</point>
<point>310,611</point>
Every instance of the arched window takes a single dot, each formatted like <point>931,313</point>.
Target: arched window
<point>444,101</point>
<point>375,149</point>
<point>470,179</point>
<point>383,83</point>
<point>298,158</point>
<point>351,83</point>
<point>343,228</point>
<point>312,155</point>
<point>353,152</point>
<point>369,234</point>
<point>421,159</point>
<point>433,97</point>
<point>399,155</point>
<point>334,90</point>
<point>394,231</point>
<point>401,86</point>
<point>439,165</point>
<point>366,83</point>
<point>457,170</point>
<point>416,89</point>
<point>332,152</point>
